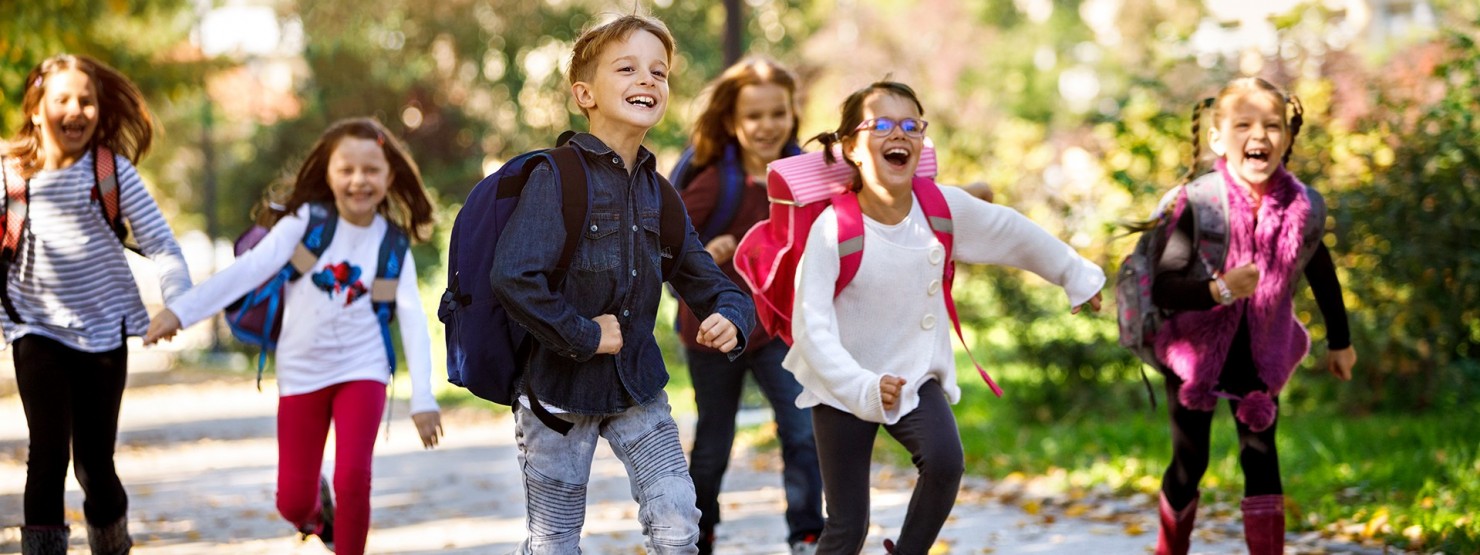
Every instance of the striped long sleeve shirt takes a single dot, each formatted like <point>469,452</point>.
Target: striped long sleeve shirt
<point>70,281</point>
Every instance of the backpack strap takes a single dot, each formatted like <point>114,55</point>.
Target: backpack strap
<point>322,221</point>
<point>850,238</point>
<point>105,191</point>
<point>16,202</point>
<point>1207,197</point>
<point>1315,226</point>
<point>938,213</point>
<point>393,248</point>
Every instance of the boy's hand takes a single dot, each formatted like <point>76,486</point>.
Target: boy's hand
<point>717,332</point>
<point>889,387</point>
<point>162,326</point>
<point>1093,303</point>
<point>429,425</point>
<point>722,248</point>
<point>1341,361</point>
<point>611,334</point>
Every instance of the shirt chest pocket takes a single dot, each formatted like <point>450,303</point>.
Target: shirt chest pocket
<point>651,225</point>
<point>601,247</point>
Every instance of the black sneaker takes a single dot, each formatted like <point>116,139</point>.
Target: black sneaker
<point>325,529</point>
<point>326,513</point>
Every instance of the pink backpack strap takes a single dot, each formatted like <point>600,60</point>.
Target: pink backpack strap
<point>850,238</point>
<point>933,204</point>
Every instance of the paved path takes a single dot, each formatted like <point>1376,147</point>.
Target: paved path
<point>197,454</point>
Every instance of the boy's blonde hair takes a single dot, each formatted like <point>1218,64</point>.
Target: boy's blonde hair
<point>593,41</point>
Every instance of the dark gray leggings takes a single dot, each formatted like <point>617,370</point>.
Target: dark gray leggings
<point>844,448</point>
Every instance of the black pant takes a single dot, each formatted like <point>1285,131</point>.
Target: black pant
<point>71,399</point>
<point>1191,433</point>
<point>844,448</point>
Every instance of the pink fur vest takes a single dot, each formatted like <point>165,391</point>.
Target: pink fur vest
<point>1195,343</point>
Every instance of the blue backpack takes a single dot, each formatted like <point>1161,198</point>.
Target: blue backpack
<point>257,318</point>
<point>732,186</point>
<point>486,350</point>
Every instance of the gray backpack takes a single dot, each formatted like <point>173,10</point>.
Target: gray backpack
<point>1208,198</point>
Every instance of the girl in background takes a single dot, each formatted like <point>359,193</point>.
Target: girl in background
<point>331,367</point>
<point>69,297</point>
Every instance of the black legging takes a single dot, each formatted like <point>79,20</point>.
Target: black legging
<point>844,448</point>
<point>1190,433</point>
<point>71,399</point>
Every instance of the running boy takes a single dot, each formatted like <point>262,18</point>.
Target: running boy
<point>594,364</point>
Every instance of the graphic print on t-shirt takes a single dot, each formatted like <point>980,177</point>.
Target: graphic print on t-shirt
<point>340,278</point>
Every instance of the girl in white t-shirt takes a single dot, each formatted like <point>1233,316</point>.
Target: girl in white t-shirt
<point>879,351</point>
<point>331,365</point>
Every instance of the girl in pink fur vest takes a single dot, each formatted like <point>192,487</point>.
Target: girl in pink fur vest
<point>1235,335</point>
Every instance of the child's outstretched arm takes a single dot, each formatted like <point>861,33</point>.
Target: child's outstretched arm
<point>1320,273</point>
<point>250,270</point>
<point>526,256</point>
<point>727,313</point>
<point>416,342</point>
<point>153,233</point>
<point>993,234</point>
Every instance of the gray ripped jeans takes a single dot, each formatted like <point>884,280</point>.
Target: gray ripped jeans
<point>557,469</point>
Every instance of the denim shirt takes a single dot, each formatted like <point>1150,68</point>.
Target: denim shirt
<point>615,270</point>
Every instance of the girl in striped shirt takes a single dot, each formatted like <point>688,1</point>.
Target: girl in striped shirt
<point>68,294</point>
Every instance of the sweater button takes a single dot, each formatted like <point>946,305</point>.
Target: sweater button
<point>937,254</point>
<point>934,287</point>
<point>928,322</point>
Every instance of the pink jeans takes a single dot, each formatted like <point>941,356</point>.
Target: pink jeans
<point>303,426</point>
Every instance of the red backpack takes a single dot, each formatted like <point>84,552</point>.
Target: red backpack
<point>800,188</point>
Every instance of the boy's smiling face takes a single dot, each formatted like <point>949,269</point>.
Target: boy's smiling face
<point>629,86</point>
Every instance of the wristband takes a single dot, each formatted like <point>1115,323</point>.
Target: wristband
<point>1225,296</point>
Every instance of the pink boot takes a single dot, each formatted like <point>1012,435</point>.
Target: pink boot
<point>1176,528</point>
<point>1264,524</point>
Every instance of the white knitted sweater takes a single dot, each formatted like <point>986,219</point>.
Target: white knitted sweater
<point>891,319</point>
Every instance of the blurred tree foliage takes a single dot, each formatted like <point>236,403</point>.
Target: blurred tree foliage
<point>147,40</point>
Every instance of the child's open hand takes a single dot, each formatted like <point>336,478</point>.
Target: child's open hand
<point>162,326</point>
<point>717,332</point>
<point>611,334</point>
<point>1341,361</point>
<point>429,425</point>
<point>1093,303</point>
<point>889,387</point>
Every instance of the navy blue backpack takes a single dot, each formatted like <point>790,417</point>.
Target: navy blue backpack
<point>486,350</point>
<point>257,318</point>
<point>732,186</point>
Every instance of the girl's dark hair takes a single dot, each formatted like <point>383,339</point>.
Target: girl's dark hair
<point>853,116</point>
<point>125,124</point>
<point>1243,85</point>
<point>406,202</point>
<point>715,126</point>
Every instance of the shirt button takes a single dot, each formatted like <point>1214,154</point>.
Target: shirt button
<point>593,227</point>
<point>634,228</point>
<point>928,322</point>
<point>572,355</point>
<point>937,254</point>
<point>617,160</point>
<point>634,272</point>
<point>625,312</point>
<point>934,287</point>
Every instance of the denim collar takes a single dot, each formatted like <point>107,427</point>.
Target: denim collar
<point>593,146</point>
